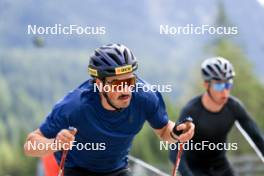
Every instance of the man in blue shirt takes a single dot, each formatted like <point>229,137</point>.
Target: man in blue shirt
<point>106,113</point>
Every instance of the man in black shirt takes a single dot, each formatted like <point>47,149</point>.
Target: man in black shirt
<point>214,114</point>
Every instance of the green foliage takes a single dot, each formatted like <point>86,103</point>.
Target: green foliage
<point>30,82</point>
<point>5,96</point>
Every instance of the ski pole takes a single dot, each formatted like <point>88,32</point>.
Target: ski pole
<point>64,155</point>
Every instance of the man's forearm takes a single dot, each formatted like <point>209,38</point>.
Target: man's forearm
<point>165,133</point>
<point>37,145</point>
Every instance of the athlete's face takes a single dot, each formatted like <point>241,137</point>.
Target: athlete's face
<point>219,90</point>
<point>118,89</point>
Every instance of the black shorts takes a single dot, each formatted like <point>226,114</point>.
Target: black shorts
<point>84,172</point>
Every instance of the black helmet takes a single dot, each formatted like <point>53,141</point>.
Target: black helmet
<point>217,68</point>
<point>112,60</point>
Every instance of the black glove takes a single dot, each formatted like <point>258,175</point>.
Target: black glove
<point>175,132</point>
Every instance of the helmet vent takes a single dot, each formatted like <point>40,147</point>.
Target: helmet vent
<point>212,70</point>
<point>96,63</point>
<point>132,56</point>
<point>225,66</point>
<point>219,61</point>
<point>219,69</point>
<point>106,62</point>
<point>205,72</point>
<point>115,58</point>
<point>118,52</point>
<point>126,55</point>
<point>96,53</point>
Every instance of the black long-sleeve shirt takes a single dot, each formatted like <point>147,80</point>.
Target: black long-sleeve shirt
<point>214,128</point>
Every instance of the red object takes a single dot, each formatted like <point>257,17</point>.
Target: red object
<point>50,165</point>
<point>177,163</point>
<point>61,167</point>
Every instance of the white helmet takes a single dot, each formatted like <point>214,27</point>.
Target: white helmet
<point>217,68</point>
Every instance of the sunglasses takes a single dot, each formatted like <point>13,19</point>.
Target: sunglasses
<point>118,84</point>
<point>219,87</point>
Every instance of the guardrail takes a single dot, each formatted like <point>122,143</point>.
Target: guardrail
<point>141,168</point>
<point>247,165</point>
